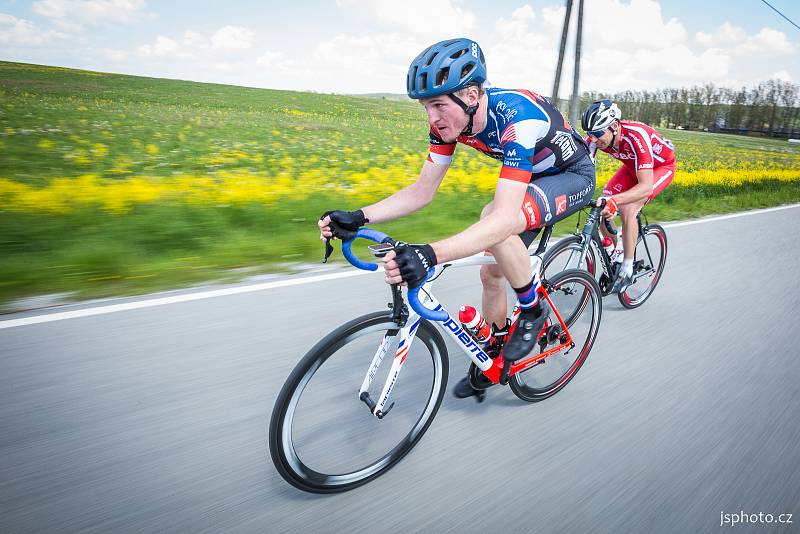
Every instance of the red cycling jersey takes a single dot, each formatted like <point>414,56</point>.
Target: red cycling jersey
<point>640,147</point>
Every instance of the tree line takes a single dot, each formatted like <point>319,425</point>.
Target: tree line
<point>771,108</point>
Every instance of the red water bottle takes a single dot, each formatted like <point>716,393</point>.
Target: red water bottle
<point>474,323</point>
<point>608,246</point>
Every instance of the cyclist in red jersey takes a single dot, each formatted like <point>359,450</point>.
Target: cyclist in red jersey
<point>648,166</point>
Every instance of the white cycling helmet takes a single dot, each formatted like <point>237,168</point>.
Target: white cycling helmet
<point>599,115</point>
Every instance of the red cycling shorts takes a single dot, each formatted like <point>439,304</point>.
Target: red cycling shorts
<point>625,178</point>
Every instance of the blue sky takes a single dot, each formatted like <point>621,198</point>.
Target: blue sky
<point>358,46</point>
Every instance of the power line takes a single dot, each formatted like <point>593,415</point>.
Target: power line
<point>781,14</point>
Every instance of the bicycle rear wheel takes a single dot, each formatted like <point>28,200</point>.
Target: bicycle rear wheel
<point>648,264</point>
<point>576,296</point>
<point>323,438</point>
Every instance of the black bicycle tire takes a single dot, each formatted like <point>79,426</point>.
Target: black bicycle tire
<point>629,304</point>
<point>320,352</point>
<point>562,245</point>
<point>529,394</point>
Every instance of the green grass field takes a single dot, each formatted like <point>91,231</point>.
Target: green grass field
<point>305,150</point>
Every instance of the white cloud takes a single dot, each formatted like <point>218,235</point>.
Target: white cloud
<point>727,34</point>
<point>636,25</point>
<point>434,19</point>
<point>201,46</point>
<point>369,63</point>
<point>21,32</point>
<point>782,75</point>
<point>766,42</point>
<point>736,41</point>
<point>275,61</point>
<point>233,38</point>
<point>163,47</point>
<point>74,14</point>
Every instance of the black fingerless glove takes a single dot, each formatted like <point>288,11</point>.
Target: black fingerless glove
<point>349,220</point>
<point>414,262</point>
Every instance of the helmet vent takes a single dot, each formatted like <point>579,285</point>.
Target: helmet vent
<point>442,75</point>
<point>423,82</point>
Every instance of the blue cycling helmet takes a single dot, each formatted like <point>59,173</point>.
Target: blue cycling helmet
<point>445,68</point>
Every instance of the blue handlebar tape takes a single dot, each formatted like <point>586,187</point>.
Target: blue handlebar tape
<point>366,233</point>
<point>427,313</point>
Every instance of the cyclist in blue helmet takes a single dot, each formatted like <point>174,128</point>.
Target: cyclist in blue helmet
<point>546,175</point>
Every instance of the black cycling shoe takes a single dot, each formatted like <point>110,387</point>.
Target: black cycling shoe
<point>622,283</point>
<point>523,339</point>
<point>464,389</point>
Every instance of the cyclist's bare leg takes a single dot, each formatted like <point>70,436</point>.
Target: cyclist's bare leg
<point>513,266</point>
<point>630,229</point>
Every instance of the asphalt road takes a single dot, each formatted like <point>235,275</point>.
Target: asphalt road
<point>155,419</point>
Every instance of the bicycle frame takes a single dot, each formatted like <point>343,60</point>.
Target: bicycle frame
<point>491,368</point>
<point>590,236</point>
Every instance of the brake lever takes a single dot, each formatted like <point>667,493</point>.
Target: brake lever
<point>328,250</point>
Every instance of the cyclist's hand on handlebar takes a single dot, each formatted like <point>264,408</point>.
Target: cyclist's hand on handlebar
<point>408,264</point>
<point>610,210</point>
<point>340,224</point>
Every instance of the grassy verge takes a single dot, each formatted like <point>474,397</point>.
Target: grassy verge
<point>162,246</point>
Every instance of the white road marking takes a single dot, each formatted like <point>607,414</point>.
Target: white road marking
<point>161,301</point>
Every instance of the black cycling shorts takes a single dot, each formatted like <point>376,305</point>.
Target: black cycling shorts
<point>552,198</point>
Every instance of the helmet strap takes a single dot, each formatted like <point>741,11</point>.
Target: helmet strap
<point>614,137</point>
<point>469,110</point>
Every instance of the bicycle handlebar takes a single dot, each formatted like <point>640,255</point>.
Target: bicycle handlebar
<point>413,293</point>
<point>601,203</point>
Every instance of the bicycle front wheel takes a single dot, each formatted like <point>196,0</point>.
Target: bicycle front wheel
<point>648,264</point>
<point>576,296</point>
<point>323,438</point>
<point>568,254</point>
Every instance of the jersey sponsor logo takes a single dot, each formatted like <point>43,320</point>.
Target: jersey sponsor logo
<point>576,198</point>
<point>547,218</point>
<point>512,152</point>
<point>528,207</point>
<point>646,166</point>
<point>657,148</point>
<point>510,114</point>
<point>638,142</point>
<point>511,163</point>
<point>566,143</point>
<point>561,204</point>
<point>623,155</point>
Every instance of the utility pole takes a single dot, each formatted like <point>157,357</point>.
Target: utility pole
<point>574,108</point>
<point>560,63</point>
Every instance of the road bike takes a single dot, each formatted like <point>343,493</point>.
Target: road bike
<point>333,429</point>
<point>584,251</point>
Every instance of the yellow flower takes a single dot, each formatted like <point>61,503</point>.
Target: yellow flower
<point>99,150</point>
<point>45,144</point>
<point>151,149</point>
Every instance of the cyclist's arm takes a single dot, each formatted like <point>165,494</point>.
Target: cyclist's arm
<point>492,229</point>
<point>639,143</point>
<point>409,199</point>
<point>638,192</point>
